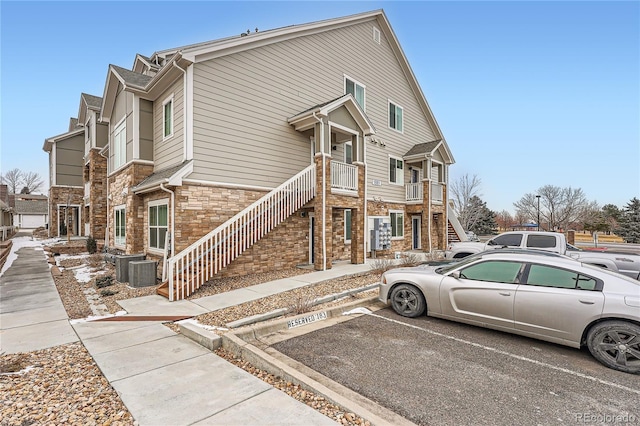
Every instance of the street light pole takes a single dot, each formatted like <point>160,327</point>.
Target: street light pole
<point>538,197</point>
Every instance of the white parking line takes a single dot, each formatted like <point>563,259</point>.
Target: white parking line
<point>522,358</point>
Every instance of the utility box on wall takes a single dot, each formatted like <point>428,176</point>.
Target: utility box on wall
<point>380,235</point>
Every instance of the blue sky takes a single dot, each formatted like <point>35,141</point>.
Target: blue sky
<point>527,94</point>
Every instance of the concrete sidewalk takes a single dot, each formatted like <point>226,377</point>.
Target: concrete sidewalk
<point>162,377</point>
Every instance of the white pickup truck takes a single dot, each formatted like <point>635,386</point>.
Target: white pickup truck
<point>623,262</point>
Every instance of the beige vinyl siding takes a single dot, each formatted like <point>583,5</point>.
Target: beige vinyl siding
<point>169,152</point>
<point>69,161</point>
<point>102,135</point>
<point>123,107</point>
<point>146,130</point>
<point>242,102</point>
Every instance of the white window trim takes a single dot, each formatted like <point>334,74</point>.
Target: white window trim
<point>116,209</point>
<point>392,224</point>
<point>388,170</point>
<point>164,103</point>
<point>155,203</point>
<point>356,82</point>
<point>120,151</point>
<point>376,35</point>
<point>350,144</point>
<point>347,241</point>
<point>395,104</point>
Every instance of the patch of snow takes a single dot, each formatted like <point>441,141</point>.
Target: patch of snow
<point>18,243</point>
<point>357,311</point>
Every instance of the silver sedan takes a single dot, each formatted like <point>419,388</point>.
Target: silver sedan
<point>540,295</point>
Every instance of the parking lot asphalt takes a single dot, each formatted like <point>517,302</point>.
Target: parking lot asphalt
<point>432,371</point>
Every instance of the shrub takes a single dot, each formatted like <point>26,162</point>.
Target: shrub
<point>301,305</point>
<point>409,259</point>
<point>105,281</point>
<point>108,293</point>
<point>92,245</point>
<point>382,265</point>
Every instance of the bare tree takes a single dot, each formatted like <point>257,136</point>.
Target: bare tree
<point>559,207</point>
<point>504,220</point>
<point>13,180</point>
<point>32,181</point>
<point>463,190</point>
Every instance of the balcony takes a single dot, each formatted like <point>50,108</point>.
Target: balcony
<point>344,177</point>
<point>414,193</point>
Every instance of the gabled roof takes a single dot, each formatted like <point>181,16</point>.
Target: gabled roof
<point>32,206</point>
<point>88,102</point>
<point>141,62</point>
<point>307,119</point>
<point>48,143</point>
<point>422,150</point>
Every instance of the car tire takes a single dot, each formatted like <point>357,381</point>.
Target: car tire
<point>408,301</point>
<point>616,344</point>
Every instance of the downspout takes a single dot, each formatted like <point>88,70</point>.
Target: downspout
<point>429,217</point>
<point>324,195</point>
<point>365,238</point>
<point>106,229</point>
<point>173,223</point>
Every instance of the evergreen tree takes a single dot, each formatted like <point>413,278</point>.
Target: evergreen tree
<point>484,219</point>
<point>629,222</point>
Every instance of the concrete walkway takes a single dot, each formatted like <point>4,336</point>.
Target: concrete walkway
<point>162,377</point>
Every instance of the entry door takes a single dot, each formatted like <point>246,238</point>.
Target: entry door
<point>415,232</point>
<point>415,175</point>
<point>311,239</point>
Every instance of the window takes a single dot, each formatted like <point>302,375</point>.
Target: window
<point>120,226</point>
<point>541,241</point>
<point>395,117</point>
<point>120,144</point>
<point>548,276</point>
<point>356,89</point>
<point>376,35</point>
<point>167,118</point>
<point>493,271</point>
<point>158,220</point>
<point>347,226</point>
<point>397,224</point>
<point>509,240</point>
<point>348,153</point>
<point>396,170</point>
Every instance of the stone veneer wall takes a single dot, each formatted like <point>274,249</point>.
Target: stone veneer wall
<point>59,195</point>
<point>120,189</point>
<point>376,208</point>
<point>98,194</point>
<point>200,209</point>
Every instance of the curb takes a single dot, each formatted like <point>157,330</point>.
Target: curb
<point>246,343</point>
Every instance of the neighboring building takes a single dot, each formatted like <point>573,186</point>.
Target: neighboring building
<point>7,228</point>
<point>268,150</point>
<point>66,190</point>
<point>31,211</point>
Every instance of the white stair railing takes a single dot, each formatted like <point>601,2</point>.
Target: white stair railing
<point>196,264</point>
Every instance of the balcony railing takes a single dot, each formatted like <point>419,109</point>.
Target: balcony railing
<point>436,192</point>
<point>344,176</point>
<point>413,192</point>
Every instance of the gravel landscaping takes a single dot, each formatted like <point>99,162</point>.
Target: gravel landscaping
<point>63,385</point>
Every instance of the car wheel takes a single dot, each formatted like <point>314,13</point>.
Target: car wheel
<point>616,344</point>
<point>408,301</point>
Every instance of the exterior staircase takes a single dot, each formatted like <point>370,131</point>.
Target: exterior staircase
<point>198,263</point>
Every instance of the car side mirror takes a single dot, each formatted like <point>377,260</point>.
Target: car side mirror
<point>456,274</point>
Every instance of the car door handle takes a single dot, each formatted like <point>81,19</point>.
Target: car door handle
<point>587,302</point>
<point>504,293</point>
